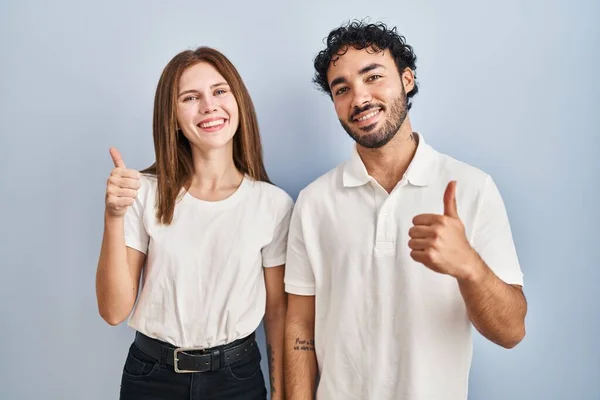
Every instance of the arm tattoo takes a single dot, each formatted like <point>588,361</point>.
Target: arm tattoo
<point>304,345</point>
<point>271,361</point>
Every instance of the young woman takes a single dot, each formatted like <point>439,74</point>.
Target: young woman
<point>207,233</point>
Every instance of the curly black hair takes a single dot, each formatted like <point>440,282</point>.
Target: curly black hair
<point>361,35</point>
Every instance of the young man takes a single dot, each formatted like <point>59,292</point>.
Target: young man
<point>395,254</point>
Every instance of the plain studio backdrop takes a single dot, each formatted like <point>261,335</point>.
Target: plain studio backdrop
<point>510,87</point>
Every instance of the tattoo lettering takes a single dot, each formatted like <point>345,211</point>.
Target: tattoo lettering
<point>304,345</point>
<point>271,361</point>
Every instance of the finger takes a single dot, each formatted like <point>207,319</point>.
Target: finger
<point>422,231</point>
<point>419,256</point>
<point>116,157</point>
<point>427,219</point>
<point>119,202</point>
<point>124,183</point>
<point>450,208</point>
<point>419,244</point>
<point>126,173</point>
<point>120,192</point>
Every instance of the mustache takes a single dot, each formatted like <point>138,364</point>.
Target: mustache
<point>357,110</point>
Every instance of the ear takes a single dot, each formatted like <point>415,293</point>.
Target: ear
<point>408,79</point>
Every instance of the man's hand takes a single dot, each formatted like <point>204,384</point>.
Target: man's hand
<point>439,241</point>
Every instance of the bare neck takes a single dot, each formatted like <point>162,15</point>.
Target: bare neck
<point>215,174</point>
<point>388,163</point>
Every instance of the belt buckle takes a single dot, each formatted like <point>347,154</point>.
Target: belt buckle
<point>175,359</point>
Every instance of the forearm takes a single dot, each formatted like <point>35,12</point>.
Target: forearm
<point>115,288</point>
<point>496,309</point>
<point>274,330</point>
<point>300,361</point>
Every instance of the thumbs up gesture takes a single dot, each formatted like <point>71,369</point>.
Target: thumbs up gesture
<point>439,241</point>
<point>121,187</point>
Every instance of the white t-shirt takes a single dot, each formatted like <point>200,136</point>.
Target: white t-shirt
<point>386,326</point>
<point>203,283</point>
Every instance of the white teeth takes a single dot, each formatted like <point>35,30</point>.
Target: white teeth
<point>213,123</point>
<point>369,115</point>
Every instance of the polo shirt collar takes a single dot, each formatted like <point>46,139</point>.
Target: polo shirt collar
<point>419,172</point>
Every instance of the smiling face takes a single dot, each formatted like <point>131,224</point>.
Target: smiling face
<point>207,111</point>
<point>369,95</point>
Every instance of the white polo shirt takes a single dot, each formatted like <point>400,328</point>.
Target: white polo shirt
<point>387,327</point>
<point>203,283</point>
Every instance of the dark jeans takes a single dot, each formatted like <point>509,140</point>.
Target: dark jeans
<point>149,379</point>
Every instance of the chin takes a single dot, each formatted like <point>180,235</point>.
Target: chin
<point>214,143</point>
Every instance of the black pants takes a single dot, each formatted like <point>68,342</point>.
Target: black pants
<point>149,379</point>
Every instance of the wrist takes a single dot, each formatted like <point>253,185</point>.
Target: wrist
<point>475,269</point>
<point>112,219</point>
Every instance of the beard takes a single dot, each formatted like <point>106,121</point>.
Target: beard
<point>366,136</point>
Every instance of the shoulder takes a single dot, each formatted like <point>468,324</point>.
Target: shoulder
<point>275,197</point>
<point>473,185</point>
<point>323,187</point>
<point>148,188</point>
<point>148,182</point>
<point>467,176</point>
<point>148,179</point>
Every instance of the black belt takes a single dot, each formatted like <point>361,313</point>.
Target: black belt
<point>188,360</point>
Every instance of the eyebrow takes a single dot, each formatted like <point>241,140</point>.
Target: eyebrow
<point>362,71</point>
<point>195,91</point>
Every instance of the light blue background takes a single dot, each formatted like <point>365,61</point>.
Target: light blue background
<point>509,86</point>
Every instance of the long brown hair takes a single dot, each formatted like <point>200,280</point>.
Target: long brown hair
<point>174,167</point>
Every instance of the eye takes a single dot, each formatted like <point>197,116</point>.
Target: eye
<point>219,92</point>
<point>189,98</point>
<point>373,77</point>
<point>341,91</point>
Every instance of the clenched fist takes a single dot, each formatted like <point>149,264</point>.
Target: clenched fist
<point>121,187</point>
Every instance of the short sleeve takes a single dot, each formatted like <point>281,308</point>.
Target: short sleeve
<point>136,235</point>
<point>274,254</point>
<point>299,276</point>
<point>492,236</point>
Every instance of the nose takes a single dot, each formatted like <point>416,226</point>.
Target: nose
<point>361,97</point>
<point>208,105</point>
